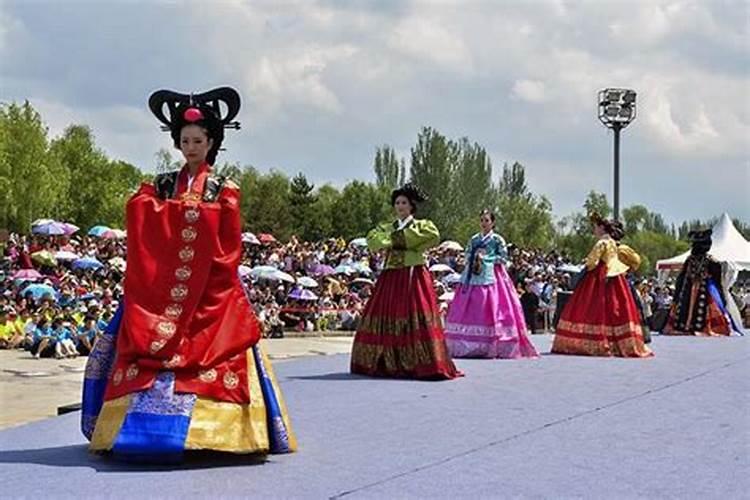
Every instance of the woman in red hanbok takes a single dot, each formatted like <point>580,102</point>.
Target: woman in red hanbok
<point>601,318</point>
<point>179,367</point>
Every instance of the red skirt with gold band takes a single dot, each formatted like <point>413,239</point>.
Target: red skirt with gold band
<point>400,334</point>
<point>601,319</point>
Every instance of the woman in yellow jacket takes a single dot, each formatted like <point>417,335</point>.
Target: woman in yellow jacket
<point>601,318</point>
<point>400,333</point>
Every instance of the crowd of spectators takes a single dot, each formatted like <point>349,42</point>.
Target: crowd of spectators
<point>52,307</point>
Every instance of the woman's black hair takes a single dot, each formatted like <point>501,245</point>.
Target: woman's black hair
<point>203,110</point>
<point>490,213</point>
<point>411,192</point>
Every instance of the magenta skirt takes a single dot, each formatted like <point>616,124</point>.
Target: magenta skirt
<point>486,321</point>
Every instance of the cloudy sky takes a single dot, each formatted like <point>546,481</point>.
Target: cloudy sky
<point>324,83</point>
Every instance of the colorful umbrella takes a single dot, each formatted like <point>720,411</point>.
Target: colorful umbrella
<point>87,263</point>
<point>97,230</point>
<point>113,234</point>
<point>323,270</point>
<point>65,255</point>
<point>44,257</point>
<point>345,269</point>
<point>70,228</point>
<point>39,222</point>
<point>451,245</point>
<point>302,294</point>
<point>282,276</point>
<point>250,238</point>
<point>52,228</point>
<point>262,271</point>
<point>362,268</point>
<point>39,291</point>
<point>266,238</point>
<point>307,282</point>
<point>27,274</point>
<point>441,268</point>
<point>451,279</point>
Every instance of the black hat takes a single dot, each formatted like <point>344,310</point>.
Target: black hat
<point>204,110</point>
<point>701,241</point>
<point>413,192</point>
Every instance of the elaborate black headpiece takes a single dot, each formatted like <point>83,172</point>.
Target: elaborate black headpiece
<point>701,241</point>
<point>204,110</point>
<point>413,192</point>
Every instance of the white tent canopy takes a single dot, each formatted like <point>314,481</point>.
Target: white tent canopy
<point>728,247</point>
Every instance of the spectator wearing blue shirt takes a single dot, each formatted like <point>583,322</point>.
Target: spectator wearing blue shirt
<point>44,341</point>
<point>87,335</point>
<point>65,346</point>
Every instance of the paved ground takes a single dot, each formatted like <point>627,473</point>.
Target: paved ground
<point>675,426</point>
<point>32,389</point>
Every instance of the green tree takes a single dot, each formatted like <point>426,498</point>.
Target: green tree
<point>359,208</point>
<point>574,237</point>
<point>32,181</point>
<point>523,218</point>
<point>388,168</point>
<point>653,246</point>
<point>305,220</point>
<point>433,164</point>
<point>89,170</point>
<point>265,202</point>
<point>165,162</point>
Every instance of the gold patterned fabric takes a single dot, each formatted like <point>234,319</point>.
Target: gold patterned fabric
<point>214,425</point>
<point>400,333</point>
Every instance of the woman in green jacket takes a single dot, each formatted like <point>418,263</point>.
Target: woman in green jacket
<point>400,333</point>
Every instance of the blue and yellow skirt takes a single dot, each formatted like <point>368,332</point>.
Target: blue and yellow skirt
<point>159,423</point>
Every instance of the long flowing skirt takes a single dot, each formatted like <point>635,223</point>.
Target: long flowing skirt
<point>601,319</point>
<point>160,424</point>
<point>486,321</point>
<point>717,321</point>
<point>400,334</point>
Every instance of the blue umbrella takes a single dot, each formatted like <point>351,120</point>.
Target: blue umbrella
<point>52,228</point>
<point>98,230</point>
<point>87,263</point>
<point>39,291</point>
<point>263,271</point>
<point>345,269</point>
<point>363,268</point>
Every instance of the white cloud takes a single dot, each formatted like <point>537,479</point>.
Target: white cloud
<point>529,90</point>
<point>336,79</point>
<point>426,38</point>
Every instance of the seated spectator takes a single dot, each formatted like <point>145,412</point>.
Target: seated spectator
<point>64,347</point>
<point>43,345</point>
<point>88,332</point>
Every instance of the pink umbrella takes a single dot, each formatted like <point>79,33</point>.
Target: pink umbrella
<point>27,274</point>
<point>70,228</point>
<point>266,238</point>
<point>113,234</point>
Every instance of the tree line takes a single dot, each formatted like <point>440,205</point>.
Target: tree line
<point>70,178</point>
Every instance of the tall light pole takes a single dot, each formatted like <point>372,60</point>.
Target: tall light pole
<point>617,111</point>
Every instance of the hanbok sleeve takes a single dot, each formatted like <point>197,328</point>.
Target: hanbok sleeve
<point>501,251</point>
<point>421,235</point>
<point>629,257</point>
<point>379,237</point>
